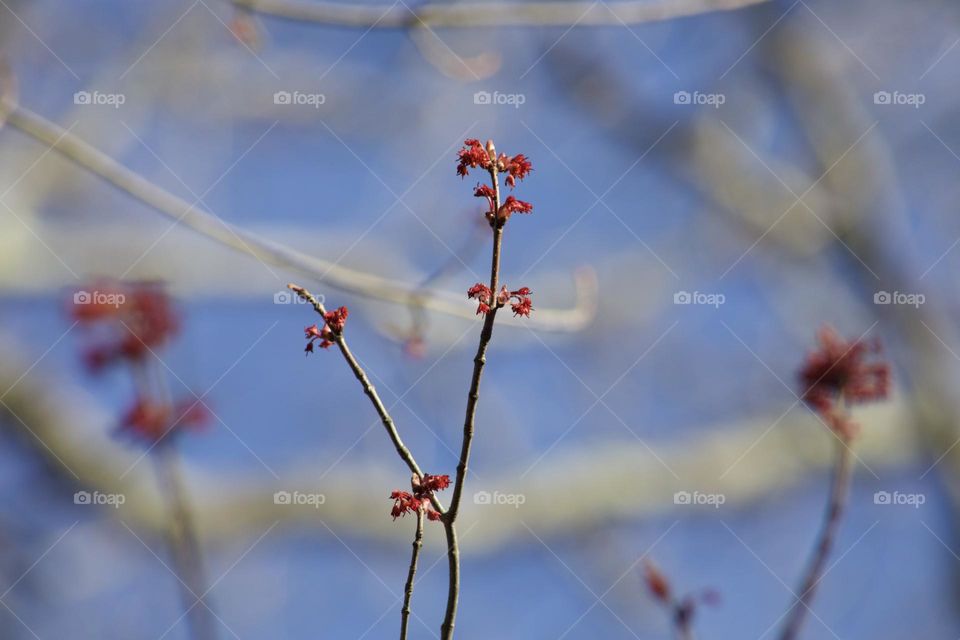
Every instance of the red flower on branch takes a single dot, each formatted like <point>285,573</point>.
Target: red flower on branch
<point>523,305</point>
<point>519,300</point>
<point>334,322</point>
<point>841,371</point>
<point>516,168</point>
<point>510,206</point>
<point>484,191</point>
<point>405,502</point>
<point>471,156</point>
<point>483,295</point>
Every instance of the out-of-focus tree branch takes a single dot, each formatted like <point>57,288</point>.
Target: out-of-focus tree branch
<point>488,14</point>
<point>748,462</point>
<point>350,280</point>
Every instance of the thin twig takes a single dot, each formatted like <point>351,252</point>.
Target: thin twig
<point>479,360</point>
<point>831,523</point>
<point>408,589</point>
<point>369,390</point>
<point>488,14</point>
<point>207,224</point>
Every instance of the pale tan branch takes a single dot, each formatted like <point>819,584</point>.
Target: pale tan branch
<point>748,462</point>
<point>209,225</point>
<point>488,14</point>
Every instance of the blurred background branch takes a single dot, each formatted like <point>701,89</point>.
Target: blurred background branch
<point>488,14</point>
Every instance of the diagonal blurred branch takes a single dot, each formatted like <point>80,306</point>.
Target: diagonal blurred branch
<point>357,282</point>
<point>488,14</point>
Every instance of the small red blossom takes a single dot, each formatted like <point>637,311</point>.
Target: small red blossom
<point>510,206</point>
<point>405,502</point>
<point>522,308</point>
<point>840,370</point>
<point>313,334</point>
<point>516,168</point>
<point>336,319</point>
<point>522,305</point>
<point>334,322</point>
<point>483,295</point>
<point>471,156</point>
<point>484,191</point>
<point>434,483</point>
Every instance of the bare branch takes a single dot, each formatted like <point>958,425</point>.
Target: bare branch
<point>411,574</point>
<point>357,282</point>
<point>370,391</point>
<point>488,14</point>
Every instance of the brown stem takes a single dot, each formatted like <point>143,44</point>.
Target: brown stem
<point>370,391</point>
<point>473,396</point>
<point>831,523</point>
<point>408,589</point>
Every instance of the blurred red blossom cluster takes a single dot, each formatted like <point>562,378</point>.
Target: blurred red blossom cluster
<point>127,322</point>
<point>840,372</point>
